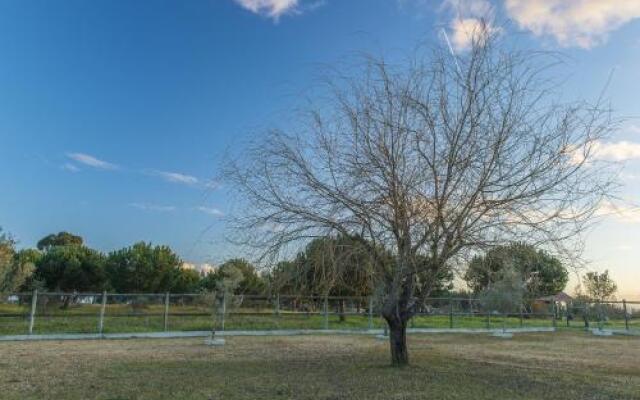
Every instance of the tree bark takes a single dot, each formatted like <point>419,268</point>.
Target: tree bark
<point>398,343</point>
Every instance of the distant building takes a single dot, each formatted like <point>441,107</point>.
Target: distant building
<point>543,304</point>
<point>203,269</point>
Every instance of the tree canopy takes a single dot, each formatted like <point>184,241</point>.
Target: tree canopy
<point>7,251</point>
<point>599,286</point>
<point>432,159</point>
<point>72,268</point>
<point>541,273</point>
<point>59,239</point>
<point>144,268</point>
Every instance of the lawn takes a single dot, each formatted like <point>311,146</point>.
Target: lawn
<point>564,365</point>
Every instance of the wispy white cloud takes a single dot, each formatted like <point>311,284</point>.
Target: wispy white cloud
<point>581,23</point>
<point>626,213</point>
<point>91,161</point>
<point>152,207</point>
<point>70,167</point>
<point>212,185</point>
<point>176,177</point>
<point>270,8</point>
<point>210,211</point>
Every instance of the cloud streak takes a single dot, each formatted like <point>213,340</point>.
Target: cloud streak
<point>270,8</point>
<point>70,167</point>
<point>629,214</point>
<point>210,211</point>
<point>91,161</point>
<point>168,176</point>
<point>176,177</point>
<point>152,207</point>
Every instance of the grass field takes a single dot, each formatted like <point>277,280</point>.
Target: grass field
<point>565,365</point>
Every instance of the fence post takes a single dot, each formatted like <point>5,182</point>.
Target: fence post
<point>326,312</point>
<point>166,311</point>
<point>521,316</point>
<point>553,314</point>
<point>32,315</point>
<point>585,316</point>
<point>488,320</point>
<point>277,306</point>
<point>224,308</point>
<point>214,311</point>
<point>370,313</point>
<point>626,316</point>
<point>450,312</point>
<point>103,306</point>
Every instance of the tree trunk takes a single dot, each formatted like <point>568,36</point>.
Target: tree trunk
<point>398,343</point>
<point>341,311</point>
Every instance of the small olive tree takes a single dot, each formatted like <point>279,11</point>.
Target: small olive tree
<point>505,295</point>
<point>599,286</point>
<point>430,161</point>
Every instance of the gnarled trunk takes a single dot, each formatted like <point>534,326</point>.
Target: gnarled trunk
<point>398,342</point>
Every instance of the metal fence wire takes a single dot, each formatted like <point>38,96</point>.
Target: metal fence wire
<point>102,313</point>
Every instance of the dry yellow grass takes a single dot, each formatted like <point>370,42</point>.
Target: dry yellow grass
<point>534,366</point>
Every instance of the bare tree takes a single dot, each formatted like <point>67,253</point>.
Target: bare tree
<point>434,159</point>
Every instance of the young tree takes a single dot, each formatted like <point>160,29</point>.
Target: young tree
<point>599,286</point>
<point>7,251</point>
<point>249,283</point>
<point>429,160</point>
<point>542,273</point>
<point>20,274</point>
<point>506,294</point>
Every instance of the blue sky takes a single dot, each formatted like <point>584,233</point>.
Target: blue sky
<point>114,114</point>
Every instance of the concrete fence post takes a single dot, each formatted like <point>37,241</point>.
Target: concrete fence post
<point>626,314</point>
<point>103,307</point>
<point>370,312</point>
<point>166,311</point>
<point>326,312</point>
<point>553,315</point>
<point>32,314</point>
<point>277,305</point>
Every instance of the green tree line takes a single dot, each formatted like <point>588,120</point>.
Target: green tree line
<point>333,266</point>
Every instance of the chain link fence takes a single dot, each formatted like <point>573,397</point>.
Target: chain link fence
<point>102,313</point>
